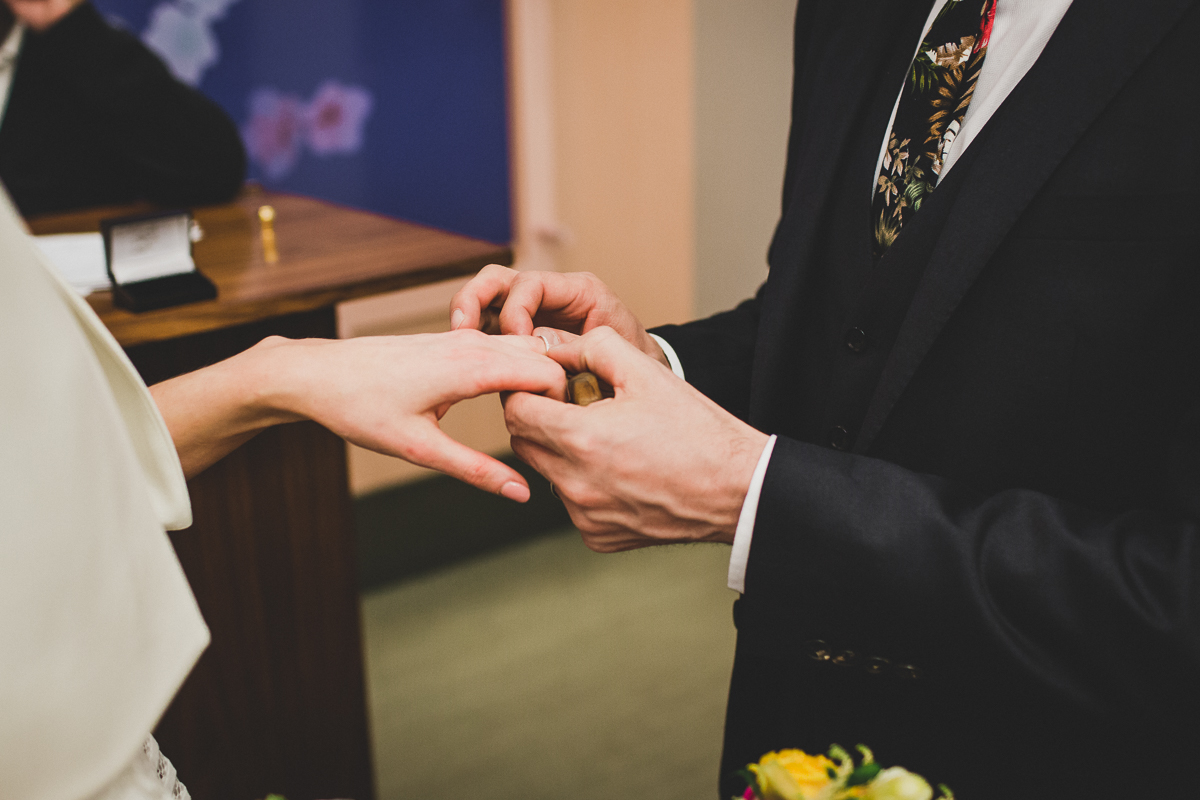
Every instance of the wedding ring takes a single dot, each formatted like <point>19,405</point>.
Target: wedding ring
<point>554,491</point>
<point>546,342</point>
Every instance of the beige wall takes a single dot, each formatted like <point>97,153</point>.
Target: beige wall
<point>624,139</point>
<point>743,98</point>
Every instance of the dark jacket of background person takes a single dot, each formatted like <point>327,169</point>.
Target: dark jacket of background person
<point>94,118</point>
<point>978,540</point>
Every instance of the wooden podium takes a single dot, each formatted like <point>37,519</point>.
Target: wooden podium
<point>277,703</point>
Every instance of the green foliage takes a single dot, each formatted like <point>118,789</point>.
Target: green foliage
<point>864,773</point>
<point>924,73</point>
<point>915,193</point>
<point>750,778</point>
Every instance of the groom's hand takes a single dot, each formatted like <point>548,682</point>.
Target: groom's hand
<point>575,302</point>
<point>657,463</point>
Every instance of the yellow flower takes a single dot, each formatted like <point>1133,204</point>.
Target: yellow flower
<point>791,775</point>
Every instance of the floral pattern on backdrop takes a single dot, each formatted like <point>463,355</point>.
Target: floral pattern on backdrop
<point>280,125</point>
<point>181,33</point>
<point>395,107</point>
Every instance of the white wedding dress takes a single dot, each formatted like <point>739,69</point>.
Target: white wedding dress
<point>98,625</point>
<point>150,776</point>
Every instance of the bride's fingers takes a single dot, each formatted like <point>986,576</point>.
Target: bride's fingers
<point>436,450</point>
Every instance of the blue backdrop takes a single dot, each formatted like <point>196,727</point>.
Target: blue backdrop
<point>397,106</point>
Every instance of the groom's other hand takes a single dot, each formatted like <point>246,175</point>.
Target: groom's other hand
<point>576,302</point>
<point>656,463</point>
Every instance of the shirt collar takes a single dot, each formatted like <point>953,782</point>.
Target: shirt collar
<point>12,45</point>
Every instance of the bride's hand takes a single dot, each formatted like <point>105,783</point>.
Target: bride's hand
<point>383,393</point>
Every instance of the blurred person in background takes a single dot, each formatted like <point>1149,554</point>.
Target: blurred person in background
<point>90,117</point>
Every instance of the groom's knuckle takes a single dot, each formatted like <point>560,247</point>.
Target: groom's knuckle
<point>513,411</point>
<point>582,443</point>
<point>585,496</point>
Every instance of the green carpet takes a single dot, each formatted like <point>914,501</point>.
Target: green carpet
<point>548,671</point>
<point>432,523</point>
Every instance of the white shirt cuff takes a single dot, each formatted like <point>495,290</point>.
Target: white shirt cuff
<point>669,352</point>
<point>745,526</point>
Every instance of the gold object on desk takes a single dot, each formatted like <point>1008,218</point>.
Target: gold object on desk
<point>266,220</point>
<point>583,389</point>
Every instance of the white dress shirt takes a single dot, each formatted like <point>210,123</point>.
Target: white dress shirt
<point>9,50</point>
<point>1019,34</point>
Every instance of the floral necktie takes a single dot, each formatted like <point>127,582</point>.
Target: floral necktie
<point>933,103</point>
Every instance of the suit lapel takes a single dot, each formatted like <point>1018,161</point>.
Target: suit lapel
<point>1097,48</point>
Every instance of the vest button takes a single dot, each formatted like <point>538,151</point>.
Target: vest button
<point>839,438</point>
<point>856,340</point>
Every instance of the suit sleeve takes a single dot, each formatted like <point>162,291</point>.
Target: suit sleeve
<point>717,354</point>
<point>176,146</point>
<point>1098,608</point>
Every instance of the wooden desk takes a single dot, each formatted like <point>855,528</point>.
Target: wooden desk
<point>277,703</point>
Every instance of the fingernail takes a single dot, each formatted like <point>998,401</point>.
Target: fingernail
<point>456,319</point>
<point>515,491</point>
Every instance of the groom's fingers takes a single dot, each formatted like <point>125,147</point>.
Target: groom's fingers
<point>541,420</point>
<point>525,298</point>
<point>605,353</point>
<point>491,284</point>
<point>569,299</point>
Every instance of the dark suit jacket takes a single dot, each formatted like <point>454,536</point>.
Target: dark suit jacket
<point>977,544</point>
<point>94,118</point>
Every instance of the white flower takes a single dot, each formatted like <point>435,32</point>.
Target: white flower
<point>207,10</point>
<point>897,783</point>
<point>181,33</point>
<point>184,41</point>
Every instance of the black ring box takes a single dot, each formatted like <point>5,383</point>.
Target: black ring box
<point>164,291</point>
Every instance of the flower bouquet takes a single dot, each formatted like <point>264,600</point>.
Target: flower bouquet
<point>795,775</point>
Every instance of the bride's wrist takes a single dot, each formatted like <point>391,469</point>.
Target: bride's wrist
<point>272,380</point>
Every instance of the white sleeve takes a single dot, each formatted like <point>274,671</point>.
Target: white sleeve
<point>745,526</point>
<point>669,352</point>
